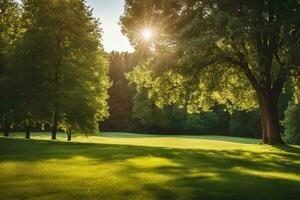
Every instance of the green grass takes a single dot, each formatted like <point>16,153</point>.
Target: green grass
<point>140,166</point>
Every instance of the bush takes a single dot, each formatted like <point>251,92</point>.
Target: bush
<point>205,123</point>
<point>245,124</point>
<point>291,123</point>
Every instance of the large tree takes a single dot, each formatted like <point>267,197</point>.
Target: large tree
<point>63,66</point>
<point>237,53</point>
<point>10,14</point>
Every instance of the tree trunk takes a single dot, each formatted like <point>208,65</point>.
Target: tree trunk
<point>27,134</point>
<point>6,128</point>
<point>55,114</point>
<point>6,133</point>
<point>269,118</point>
<point>54,127</point>
<point>69,136</point>
<point>55,121</point>
<point>56,105</point>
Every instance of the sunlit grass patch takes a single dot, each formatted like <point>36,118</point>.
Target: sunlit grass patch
<point>151,162</point>
<point>269,174</point>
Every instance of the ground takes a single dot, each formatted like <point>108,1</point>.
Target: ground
<point>140,166</point>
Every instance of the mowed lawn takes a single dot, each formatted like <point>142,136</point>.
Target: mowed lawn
<point>140,166</point>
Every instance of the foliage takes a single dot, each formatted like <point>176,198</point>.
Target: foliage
<point>235,53</point>
<point>10,31</point>
<point>53,67</point>
<point>120,93</point>
<point>292,124</point>
<point>296,84</point>
<point>149,115</point>
<point>245,124</point>
<point>204,123</point>
<point>177,120</point>
<point>62,66</point>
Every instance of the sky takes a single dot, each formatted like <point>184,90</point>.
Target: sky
<point>109,12</point>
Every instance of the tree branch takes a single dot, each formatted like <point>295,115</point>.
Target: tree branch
<point>245,68</point>
<point>280,79</point>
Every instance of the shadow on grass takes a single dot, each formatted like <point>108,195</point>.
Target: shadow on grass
<point>200,137</point>
<point>194,174</point>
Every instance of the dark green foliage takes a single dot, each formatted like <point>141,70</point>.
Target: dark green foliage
<point>120,93</point>
<point>245,124</point>
<point>214,122</point>
<point>204,123</point>
<point>291,123</point>
<point>170,118</point>
<point>144,110</point>
<point>174,118</point>
<point>284,99</point>
<point>10,15</point>
<point>177,120</point>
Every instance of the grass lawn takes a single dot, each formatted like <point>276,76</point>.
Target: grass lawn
<point>140,166</point>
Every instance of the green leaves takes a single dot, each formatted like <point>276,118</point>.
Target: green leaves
<point>222,51</point>
<point>10,31</point>
<point>62,67</point>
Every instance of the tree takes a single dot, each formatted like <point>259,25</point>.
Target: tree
<point>63,66</point>
<point>10,15</point>
<point>120,93</point>
<point>236,53</point>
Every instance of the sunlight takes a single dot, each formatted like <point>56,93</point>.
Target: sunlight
<point>147,34</point>
<point>269,174</point>
<point>152,162</point>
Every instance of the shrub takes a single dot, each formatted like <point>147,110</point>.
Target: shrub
<point>291,123</point>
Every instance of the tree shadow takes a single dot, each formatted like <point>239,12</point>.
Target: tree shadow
<point>192,136</point>
<point>187,173</point>
<point>289,148</point>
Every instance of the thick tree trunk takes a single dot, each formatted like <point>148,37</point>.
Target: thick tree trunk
<point>27,134</point>
<point>269,118</point>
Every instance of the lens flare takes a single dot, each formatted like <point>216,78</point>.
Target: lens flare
<point>147,34</point>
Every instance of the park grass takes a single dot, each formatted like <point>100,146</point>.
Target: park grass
<point>141,166</point>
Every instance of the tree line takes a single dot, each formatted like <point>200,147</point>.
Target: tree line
<point>211,67</point>
<point>53,69</point>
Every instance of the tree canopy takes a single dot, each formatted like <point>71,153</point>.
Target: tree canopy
<point>236,53</point>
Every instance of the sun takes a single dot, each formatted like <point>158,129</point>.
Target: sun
<point>147,34</point>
